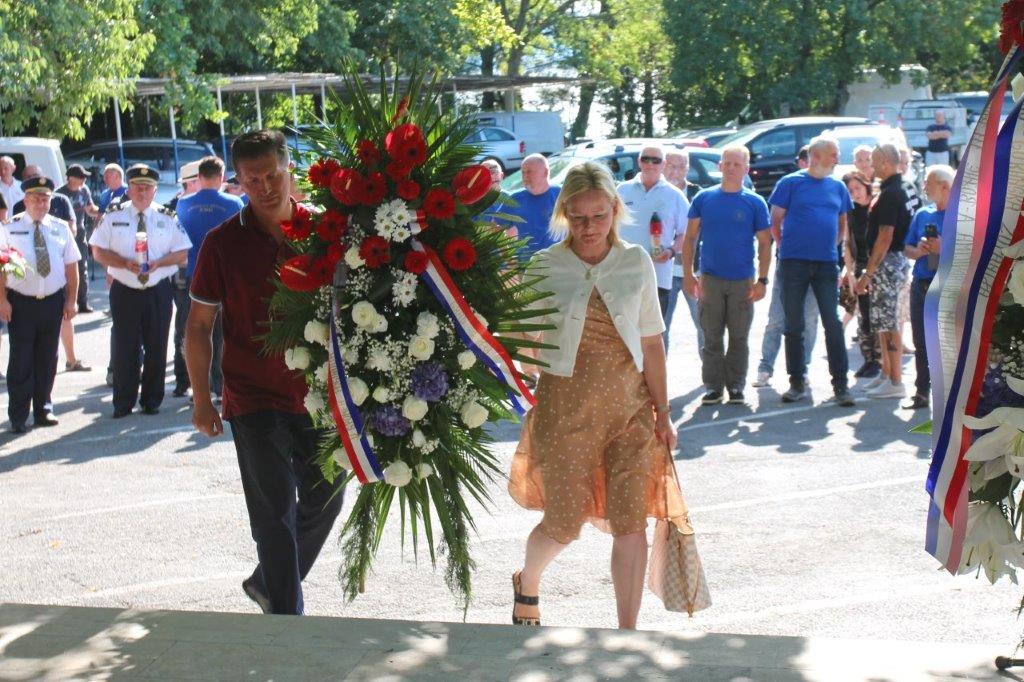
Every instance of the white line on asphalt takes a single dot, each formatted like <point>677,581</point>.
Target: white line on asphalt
<point>143,505</point>
<point>126,434</point>
<point>754,416</point>
<point>808,494</point>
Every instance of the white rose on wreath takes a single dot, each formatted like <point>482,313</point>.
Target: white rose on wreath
<point>420,347</point>
<point>380,325</point>
<point>398,474</point>
<point>364,314</point>
<point>413,408</point>
<point>358,389</point>
<point>423,470</point>
<point>382,394</point>
<point>427,325</point>
<point>473,414</point>
<point>352,258</point>
<point>297,358</point>
<point>418,439</point>
<point>467,359</point>
<point>322,372</point>
<point>317,332</point>
<point>314,403</point>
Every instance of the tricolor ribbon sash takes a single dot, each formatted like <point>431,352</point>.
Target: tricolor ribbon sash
<point>347,418</point>
<point>473,332</point>
<point>982,218</point>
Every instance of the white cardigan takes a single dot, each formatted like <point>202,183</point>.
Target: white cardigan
<point>625,280</point>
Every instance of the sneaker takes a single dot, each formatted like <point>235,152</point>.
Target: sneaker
<point>869,370</point>
<point>796,392</point>
<point>711,398</point>
<point>888,390</point>
<point>764,380</point>
<point>842,398</point>
<point>876,382</point>
<point>736,397</point>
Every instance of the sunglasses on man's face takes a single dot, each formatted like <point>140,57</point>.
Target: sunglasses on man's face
<point>651,159</point>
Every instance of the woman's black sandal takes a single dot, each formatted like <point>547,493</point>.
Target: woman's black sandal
<point>525,601</point>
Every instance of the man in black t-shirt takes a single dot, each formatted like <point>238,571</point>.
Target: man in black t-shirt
<point>78,193</point>
<point>887,269</point>
<point>938,135</point>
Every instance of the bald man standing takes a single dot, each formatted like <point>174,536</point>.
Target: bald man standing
<point>534,204</point>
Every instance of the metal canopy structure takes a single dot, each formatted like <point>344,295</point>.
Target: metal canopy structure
<point>315,83</point>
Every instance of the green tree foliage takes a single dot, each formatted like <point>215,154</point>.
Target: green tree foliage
<point>62,61</point>
<point>749,58</point>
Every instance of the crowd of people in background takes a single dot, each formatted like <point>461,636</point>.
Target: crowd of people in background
<point>841,247</point>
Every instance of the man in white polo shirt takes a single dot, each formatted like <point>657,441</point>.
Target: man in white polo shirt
<point>658,221</point>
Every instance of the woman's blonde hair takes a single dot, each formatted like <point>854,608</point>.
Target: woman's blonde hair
<point>589,175</point>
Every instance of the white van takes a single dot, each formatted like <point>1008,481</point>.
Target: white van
<point>542,131</point>
<point>38,151</point>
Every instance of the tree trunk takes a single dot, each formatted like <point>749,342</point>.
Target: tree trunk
<point>515,63</point>
<point>579,126</point>
<point>648,104</point>
<point>487,69</point>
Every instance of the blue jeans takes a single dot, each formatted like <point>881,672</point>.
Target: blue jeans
<point>820,277</point>
<point>772,341</point>
<point>670,309</point>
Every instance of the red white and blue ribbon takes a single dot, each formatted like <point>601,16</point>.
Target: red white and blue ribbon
<point>983,216</point>
<point>473,332</point>
<point>347,418</point>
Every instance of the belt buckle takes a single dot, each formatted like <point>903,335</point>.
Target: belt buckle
<point>39,297</point>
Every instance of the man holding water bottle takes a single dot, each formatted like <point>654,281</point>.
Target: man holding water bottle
<point>142,246</point>
<point>922,244</point>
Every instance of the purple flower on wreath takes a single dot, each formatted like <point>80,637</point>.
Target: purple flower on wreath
<point>995,392</point>
<point>429,381</point>
<point>388,420</point>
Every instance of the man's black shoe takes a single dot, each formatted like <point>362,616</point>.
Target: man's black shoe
<point>736,397</point>
<point>46,420</point>
<point>711,398</point>
<point>150,410</point>
<point>122,412</point>
<point>918,402</point>
<point>180,391</point>
<point>869,370</point>
<point>253,591</point>
<point>19,428</point>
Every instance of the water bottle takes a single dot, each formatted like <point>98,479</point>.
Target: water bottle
<point>142,256</point>
<point>656,247</point>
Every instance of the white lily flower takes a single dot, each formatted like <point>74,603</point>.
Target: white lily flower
<point>1001,449</point>
<point>991,544</point>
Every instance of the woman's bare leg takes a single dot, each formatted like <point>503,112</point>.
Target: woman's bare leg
<point>540,551</point>
<point>629,565</point>
<point>67,338</point>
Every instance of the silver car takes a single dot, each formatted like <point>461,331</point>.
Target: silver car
<point>501,145</point>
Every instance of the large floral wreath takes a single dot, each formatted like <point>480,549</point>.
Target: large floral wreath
<point>390,309</point>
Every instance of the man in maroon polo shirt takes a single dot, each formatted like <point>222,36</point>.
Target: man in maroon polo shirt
<point>291,507</point>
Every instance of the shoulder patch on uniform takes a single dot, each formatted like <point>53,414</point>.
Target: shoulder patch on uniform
<point>165,211</point>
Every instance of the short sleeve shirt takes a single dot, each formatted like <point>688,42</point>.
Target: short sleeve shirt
<point>535,210</point>
<point>80,199</point>
<point>110,195</point>
<point>890,207</point>
<point>60,246</point>
<point>671,205</point>
<point>199,213</point>
<point>729,222</point>
<point>235,270</point>
<point>810,230</point>
<point>922,219</point>
<point>164,235</point>
<point>942,144</point>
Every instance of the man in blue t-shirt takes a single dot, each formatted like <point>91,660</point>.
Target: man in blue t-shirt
<point>922,244</point>
<point>113,180</point>
<point>809,210</point>
<point>534,204</point>
<point>199,213</point>
<point>728,219</point>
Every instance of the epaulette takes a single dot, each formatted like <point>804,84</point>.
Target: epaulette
<point>166,211</point>
<point>17,216</point>
<point>117,204</point>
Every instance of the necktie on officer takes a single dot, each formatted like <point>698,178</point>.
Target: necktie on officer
<point>42,253</point>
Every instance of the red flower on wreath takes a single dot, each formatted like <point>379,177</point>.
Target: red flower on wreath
<point>321,172</point>
<point>300,226</point>
<point>398,171</point>
<point>459,254</point>
<point>367,153</point>
<point>301,273</point>
<point>471,184</point>
<point>347,186</point>
<point>416,262</point>
<point>335,252</point>
<point>1011,33</point>
<point>332,226</point>
<point>406,145</point>
<point>408,189</point>
<point>375,251</point>
<point>439,204</point>
<point>322,271</point>
<point>375,188</point>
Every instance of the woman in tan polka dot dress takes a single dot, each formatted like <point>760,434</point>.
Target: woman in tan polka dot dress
<point>596,446</point>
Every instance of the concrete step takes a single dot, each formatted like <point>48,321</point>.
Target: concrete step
<point>70,642</point>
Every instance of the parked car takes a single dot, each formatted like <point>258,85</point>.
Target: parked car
<point>621,159</point>
<point>974,102</point>
<point>38,151</point>
<point>499,144</point>
<point>157,152</point>
<point>774,144</point>
<point>851,137</point>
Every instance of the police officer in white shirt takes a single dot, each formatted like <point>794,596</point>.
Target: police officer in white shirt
<point>35,305</point>
<point>142,247</point>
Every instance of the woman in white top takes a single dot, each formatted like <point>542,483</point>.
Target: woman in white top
<point>596,446</point>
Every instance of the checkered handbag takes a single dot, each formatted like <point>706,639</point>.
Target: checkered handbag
<point>676,574</point>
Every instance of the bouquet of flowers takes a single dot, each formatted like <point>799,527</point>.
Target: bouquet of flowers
<point>12,263</point>
<point>392,307</point>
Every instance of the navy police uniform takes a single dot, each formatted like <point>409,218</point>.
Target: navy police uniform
<point>141,310</point>
<point>37,308</point>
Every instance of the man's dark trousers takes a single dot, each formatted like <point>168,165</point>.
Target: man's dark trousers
<point>82,240</point>
<point>34,336</point>
<point>291,507</point>
<point>142,319</point>
<point>182,305</point>
<point>822,278</point>
<point>923,382</point>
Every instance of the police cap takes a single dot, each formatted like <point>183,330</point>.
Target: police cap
<point>142,174</point>
<point>39,184</point>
